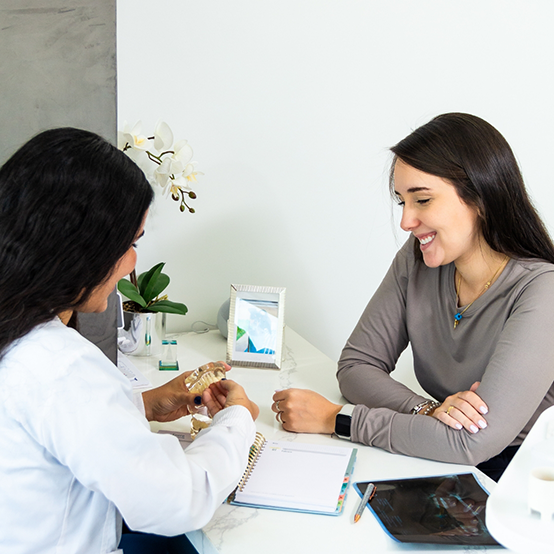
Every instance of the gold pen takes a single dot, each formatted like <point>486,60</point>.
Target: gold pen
<point>368,495</point>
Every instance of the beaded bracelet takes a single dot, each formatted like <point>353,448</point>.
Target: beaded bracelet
<point>425,408</point>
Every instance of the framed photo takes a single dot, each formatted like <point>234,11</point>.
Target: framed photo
<point>256,326</point>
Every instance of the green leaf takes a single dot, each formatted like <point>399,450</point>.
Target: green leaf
<point>144,278</point>
<point>129,290</point>
<point>140,278</point>
<point>149,280</point>
<point>156,287</point>
<point>168,307</point>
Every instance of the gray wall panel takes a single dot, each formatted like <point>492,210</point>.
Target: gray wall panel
<point>58,68</point>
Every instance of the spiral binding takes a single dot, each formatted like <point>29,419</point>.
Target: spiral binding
<point>255,451</point>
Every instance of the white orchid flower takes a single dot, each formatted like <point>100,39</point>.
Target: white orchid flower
<point>174,169</point>
<point>183,153</point>
<point>178,184</point>
<point>162,174</point>
<point>163,137</point>
<point>190,174</point>
<point>180,158</point>
<point>174,165</point>
<point>121,140</point>
<point>133,138</point>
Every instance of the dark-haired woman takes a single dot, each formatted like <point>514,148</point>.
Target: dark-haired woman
<point>472,292</point>
<point>76,451</point>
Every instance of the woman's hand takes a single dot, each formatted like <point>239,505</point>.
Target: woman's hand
<point>463,410</point>
<point>305,411</point>
<point>169,402</point>
<point>225,393</point>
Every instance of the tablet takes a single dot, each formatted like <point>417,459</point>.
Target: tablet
<point>448,509</point>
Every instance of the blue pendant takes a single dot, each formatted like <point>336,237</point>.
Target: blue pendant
<point>457,319</point>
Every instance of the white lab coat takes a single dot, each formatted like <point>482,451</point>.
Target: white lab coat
<point>75,451</point>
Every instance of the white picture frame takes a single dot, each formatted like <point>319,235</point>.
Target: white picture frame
<point>256,326</point>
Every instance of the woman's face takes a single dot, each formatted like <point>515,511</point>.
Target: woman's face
<point>98,300</point>
<point>433,212</point>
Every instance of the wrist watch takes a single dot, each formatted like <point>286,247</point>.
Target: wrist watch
<point>343,421</point>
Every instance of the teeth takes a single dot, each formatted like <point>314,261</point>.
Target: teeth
<point>427,240</point>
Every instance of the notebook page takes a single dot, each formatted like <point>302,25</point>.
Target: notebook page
<point>294,475</point>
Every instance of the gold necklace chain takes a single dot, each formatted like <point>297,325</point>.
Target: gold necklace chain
<point>459,315</point>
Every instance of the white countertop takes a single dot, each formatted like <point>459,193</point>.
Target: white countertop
<point>238,530</point>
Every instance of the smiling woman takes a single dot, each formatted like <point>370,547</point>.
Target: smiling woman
<point>472,292</point>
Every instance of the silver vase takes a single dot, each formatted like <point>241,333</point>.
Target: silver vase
<point>142,334</point>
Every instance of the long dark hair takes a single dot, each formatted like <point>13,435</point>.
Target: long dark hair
<point>478,161</point>
<point>71,205</point>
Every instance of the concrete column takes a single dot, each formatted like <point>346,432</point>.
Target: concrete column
<point>58,68</point>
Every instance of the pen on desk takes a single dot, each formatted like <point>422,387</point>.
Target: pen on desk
<point>368,495</point>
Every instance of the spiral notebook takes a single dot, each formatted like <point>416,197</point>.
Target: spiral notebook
<point>296,477</point>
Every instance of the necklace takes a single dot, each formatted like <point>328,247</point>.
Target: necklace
<point>458,316</point>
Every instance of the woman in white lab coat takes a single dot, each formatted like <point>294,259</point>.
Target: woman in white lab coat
<point>76,451</point>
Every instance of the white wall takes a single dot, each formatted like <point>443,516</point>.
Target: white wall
<point>290,106</point>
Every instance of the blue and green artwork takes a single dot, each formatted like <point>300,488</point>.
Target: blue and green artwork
<point>256,326</point>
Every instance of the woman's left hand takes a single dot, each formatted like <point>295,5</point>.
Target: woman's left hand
<point>463,410</point>
<point>305,411</point>
<point>169,402</point>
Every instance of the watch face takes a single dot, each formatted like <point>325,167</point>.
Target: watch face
<point>342,425</point>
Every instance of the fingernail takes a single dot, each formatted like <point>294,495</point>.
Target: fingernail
<point>474,429</point>
<point>482,424</point>
<point>483,410</point>
<point>458,425</point>
<point>224,378</point>
<point>198,400</point>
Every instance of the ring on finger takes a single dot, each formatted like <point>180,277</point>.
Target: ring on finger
<point>277,406</point>
<point>449,410</point>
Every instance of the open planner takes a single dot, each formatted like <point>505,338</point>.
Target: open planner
<point>296,477</point>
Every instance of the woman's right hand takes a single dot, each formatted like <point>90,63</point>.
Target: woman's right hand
<point>225,393</point>
<point>305,411</point>
<point>464,409</point>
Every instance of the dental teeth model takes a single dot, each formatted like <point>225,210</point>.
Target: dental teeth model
<point>199,422</point>
<point>200,379</point>
<point>197,382</point>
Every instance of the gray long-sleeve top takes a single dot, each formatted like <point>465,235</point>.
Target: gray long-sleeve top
<point>505,340</point>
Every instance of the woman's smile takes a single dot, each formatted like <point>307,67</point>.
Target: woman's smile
<point>425,240</point>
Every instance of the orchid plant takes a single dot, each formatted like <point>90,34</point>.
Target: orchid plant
<point>174,169</point>
<point>144,293</point>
